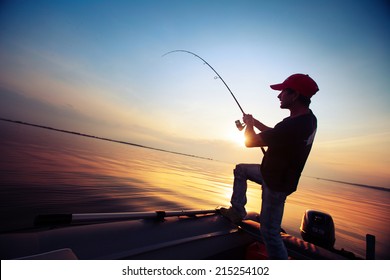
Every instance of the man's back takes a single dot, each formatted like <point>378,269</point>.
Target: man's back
<point>289,145</point>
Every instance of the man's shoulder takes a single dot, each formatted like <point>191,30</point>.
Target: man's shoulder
<point>307,122</point>
<point>309,117</point>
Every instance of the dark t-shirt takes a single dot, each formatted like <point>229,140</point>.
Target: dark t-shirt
<point>289,144</point>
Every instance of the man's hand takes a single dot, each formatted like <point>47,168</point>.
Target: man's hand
<point>251,138</point>
<point>248,120</point>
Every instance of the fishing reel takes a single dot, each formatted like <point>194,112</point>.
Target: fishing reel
<point>240,125</point>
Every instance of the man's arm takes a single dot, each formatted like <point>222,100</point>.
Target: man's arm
<point>251,138</point>
<point>260,126</point>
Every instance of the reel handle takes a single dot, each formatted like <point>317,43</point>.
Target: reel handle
<point>239,125</point>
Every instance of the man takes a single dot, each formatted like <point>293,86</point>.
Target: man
<point>289,144</point>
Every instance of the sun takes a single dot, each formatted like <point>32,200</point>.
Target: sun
<point>238,138</point>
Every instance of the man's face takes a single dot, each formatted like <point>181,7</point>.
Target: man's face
<point>287,97</point>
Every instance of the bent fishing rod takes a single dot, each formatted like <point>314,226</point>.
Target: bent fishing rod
<point>239,125</point>
<point>219,76</point>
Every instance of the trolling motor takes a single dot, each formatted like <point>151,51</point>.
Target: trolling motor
<point>318,228</point>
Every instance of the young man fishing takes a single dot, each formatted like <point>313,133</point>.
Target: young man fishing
<point>289,144</point>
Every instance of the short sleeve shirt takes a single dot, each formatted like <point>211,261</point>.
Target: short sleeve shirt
<point>289,144</point>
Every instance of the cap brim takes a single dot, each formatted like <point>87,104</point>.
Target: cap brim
<point>278,86</point>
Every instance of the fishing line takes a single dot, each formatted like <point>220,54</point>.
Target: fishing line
<point>239,125</point>
<point>218,76</point>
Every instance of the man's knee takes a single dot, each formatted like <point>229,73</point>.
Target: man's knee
<point>239,171</point>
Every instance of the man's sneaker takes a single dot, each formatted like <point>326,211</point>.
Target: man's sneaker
<point>231,214</point>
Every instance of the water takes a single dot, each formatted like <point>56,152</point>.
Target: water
<point>45,171</point>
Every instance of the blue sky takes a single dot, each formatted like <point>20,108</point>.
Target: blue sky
<point>97,67</point>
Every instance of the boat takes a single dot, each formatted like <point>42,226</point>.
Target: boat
<point>163,235</point>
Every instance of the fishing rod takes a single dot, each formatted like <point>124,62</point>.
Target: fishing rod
<point>239,125</point>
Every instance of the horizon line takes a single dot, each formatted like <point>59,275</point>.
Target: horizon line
<point>168,151</point>
<point>102,138</point>
<point>353,184</point>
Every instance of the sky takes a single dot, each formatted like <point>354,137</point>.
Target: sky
<point>97,67</point>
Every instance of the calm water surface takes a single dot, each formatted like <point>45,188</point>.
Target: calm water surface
<point>44,171</point>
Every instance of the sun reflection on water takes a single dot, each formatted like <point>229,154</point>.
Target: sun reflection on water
<point>54,173</point>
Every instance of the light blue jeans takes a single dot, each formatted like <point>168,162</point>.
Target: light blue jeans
<point>272,207</point>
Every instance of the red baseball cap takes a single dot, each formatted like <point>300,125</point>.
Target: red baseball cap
<point>301,83</point>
